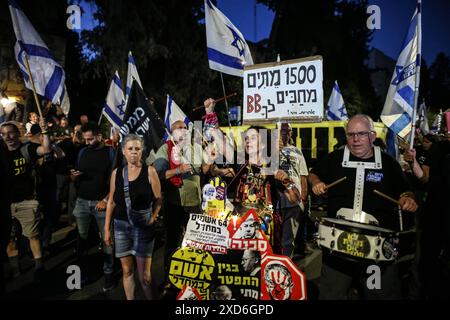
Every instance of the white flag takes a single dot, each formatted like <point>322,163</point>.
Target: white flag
<point>48,75</point>
<point>114,109</point>
<point>398,108</point>
<point>336,108</point>
<point>227,50</point>
<point>132,74</point>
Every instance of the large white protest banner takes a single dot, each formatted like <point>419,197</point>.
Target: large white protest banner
<point>287,90</point>
<point>206,233</point>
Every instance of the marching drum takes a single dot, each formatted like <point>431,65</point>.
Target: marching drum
<point>359,241</point>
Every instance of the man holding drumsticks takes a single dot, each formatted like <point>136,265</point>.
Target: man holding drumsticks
<point>366,169</point>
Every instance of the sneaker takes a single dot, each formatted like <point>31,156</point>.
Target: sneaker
<point>109,283</point>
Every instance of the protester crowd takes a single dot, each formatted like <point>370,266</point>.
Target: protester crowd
<point>50,169</point>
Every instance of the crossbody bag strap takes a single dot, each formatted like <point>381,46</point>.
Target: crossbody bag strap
<point>126,190</point>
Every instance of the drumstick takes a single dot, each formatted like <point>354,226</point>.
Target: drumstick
<point>400,216</point>
<point>381,194</point>
<point>216,100</point>
<point>335,182</point>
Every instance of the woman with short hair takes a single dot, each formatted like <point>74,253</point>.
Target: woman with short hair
<point>134,203</point>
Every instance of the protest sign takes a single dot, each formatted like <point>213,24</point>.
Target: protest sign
<point>206,233</point>
<point>193,268</point>
<point>246,233</point>
<point>281,279</point>
<point>288,90</point>
<point>238,276</point>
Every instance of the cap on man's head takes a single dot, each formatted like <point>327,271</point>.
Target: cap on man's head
<point>35,129</point>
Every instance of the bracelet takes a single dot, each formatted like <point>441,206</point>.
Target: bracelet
<point>177,171</point>
<point>105,201</point>
<point>44,132</point>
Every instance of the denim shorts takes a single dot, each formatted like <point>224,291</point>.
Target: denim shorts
<point>132,240</point>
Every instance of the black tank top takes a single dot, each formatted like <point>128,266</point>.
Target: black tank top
<point>141,193</point>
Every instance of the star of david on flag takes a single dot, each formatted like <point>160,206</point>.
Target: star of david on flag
<point>401,98</point>
<point>227,50</point>
<point>114,108</point>
<point>336,108</point>
<point>48,75</point>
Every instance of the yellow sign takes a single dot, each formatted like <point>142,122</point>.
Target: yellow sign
<point>192,267</point>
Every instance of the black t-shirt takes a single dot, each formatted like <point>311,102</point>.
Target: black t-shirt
<point>95,165</point>
<point>419,188</point>
<point>46,173</point>
<point>252,183</point>
<point>3,174</point>
<point>64,164</point>
<point>21,180</point>
<point>388,180</point>
<point>141,193</point>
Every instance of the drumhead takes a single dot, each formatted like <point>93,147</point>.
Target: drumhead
<point>355,226</point>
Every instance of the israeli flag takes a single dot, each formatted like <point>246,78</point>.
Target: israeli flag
<point>401,98</point>
<point>132,74</point>
<point>336,108</point>
<point>227,50</point>
<point>48,75</point>
<point>174,113</point>
<point>114,108</point>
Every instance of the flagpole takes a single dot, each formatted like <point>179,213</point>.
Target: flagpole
<point>36,99</point>
<point>100,119</point>
<point>226,101</point>
<point>416,91</point>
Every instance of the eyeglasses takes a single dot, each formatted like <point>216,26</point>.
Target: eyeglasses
<point>362,134</point>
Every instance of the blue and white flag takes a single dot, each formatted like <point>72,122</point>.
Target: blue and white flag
<point>227,50</point>
<point>114,108</point>
<point>400,101</point>
<point>336,108</point>
<point>132,74</point>
<point>173,114</point>
<point>48,75</point>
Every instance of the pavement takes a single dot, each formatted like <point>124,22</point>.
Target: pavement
<point>61,254</point>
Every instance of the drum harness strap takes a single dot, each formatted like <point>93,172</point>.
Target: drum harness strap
<point>360,167</point>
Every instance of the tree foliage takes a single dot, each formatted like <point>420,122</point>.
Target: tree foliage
<point>168,41</point>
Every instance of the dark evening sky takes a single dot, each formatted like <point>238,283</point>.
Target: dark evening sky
<point>395,17</point>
